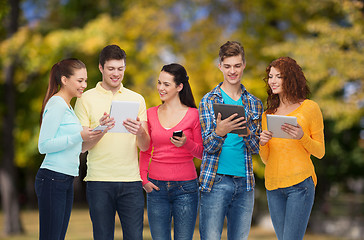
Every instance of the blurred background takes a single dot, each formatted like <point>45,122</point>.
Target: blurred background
<point>325,37</point>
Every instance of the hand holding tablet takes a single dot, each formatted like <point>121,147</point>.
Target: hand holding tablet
<point>120,111</point>
<point>275,123</point>
<point>226,110</point>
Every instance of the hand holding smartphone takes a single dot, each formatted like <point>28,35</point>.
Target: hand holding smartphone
<point>177,134</point>
<point>99,128</point>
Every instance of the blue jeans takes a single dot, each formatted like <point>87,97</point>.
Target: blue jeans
<point>107,198</point>
<point>228,197</point>
<point>177,199</point>
<point>55,199</point>
<point>290,209</point>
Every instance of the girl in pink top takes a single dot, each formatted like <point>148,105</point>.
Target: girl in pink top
<point>167,168</point>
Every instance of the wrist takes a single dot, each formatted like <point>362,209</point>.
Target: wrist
<point>219,133</point>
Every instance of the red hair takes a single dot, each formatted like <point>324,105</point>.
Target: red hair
<point>294,85</point>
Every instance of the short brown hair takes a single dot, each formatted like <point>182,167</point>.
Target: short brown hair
<point>231,49</point>
<point>111,52</point>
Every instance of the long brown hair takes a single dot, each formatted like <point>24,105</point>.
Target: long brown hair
<point>294,84</point>
<point>179,74</point>
<point>65,68</point>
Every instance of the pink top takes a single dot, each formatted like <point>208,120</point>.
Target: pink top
<point>168,162</point>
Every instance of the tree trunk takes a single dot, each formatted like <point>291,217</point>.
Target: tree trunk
<point>8,173</point>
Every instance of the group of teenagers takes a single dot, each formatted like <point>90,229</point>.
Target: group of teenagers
<point>117,172</point>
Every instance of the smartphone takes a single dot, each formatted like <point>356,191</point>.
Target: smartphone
<point>99,128</point>
<point>177,133</point>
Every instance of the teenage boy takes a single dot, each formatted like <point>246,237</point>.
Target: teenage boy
<point>113,180</point>
<point>226,178</point>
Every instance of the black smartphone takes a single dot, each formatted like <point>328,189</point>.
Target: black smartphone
<point>177,133</point>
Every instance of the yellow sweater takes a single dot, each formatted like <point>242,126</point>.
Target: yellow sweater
<point>288,161</point>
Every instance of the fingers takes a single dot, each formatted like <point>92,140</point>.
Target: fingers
<point>295,131</point>
<point>133,126</point>
<point>149,187</point>
<point>218,117</point>
<point>88,135</point>
<point>229,124</point>
<point>265,136</point>
<point>106,120</point>
<point>178,141</point>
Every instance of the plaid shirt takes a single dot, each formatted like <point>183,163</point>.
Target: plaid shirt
<point>213,143</point>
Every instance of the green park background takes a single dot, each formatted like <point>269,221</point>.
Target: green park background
<point>325,37</point>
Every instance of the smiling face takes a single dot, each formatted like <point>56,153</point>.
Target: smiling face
<point>232,69</point>
<point>112,74</point>
<point>76,83</point>
<point>275,81</point>
<point>167,87</point>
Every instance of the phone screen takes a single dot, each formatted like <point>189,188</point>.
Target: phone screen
<point>99,128</point>
<point>177,133</point>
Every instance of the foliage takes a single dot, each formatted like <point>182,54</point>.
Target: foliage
<point>331,54</point>
<point>325,37</point>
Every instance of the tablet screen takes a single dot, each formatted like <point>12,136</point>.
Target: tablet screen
<point>275,122</point>
<point>227,110</point>
<point>120,111</point>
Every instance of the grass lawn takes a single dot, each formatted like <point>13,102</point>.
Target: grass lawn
<point>80,228</point>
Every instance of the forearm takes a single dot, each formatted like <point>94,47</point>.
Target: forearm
<point>194,148</point>
<point>144,165</point>
<point>143,141</point>
<point>58,144</point>
<point>212,142</point>
<point>315,147</point>
<point>252,140</point>
<point>313,140</point>
<point>264,153</point>
<point>252,143</point>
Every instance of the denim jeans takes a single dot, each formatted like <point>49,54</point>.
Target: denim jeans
<point>228,197</point>
<point>107,198</point>
<point>55,199</point>
<point>177,199</point>
<point>290,209</point>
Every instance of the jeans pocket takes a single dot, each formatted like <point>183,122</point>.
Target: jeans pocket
<point>190,187</point>
<point>62,181</point>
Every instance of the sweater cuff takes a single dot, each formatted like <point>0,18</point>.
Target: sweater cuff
<point>304,139</point>
<point>144,182</point>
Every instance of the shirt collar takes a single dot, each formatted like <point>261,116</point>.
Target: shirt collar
<point>103,90</point>
<point>217,90</point>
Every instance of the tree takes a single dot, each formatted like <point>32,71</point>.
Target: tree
<point>8,173</point>
<point>189,32</point>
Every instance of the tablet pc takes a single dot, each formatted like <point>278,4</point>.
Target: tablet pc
<point>227,110</point>
<point>120,111</point>
<point>275,122</point>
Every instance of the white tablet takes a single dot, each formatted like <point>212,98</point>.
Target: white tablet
<point>120,111</point>
<point>275,122</point>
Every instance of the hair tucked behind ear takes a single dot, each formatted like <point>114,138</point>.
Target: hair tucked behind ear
<point>65,68</point>
<point>179,74</point>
